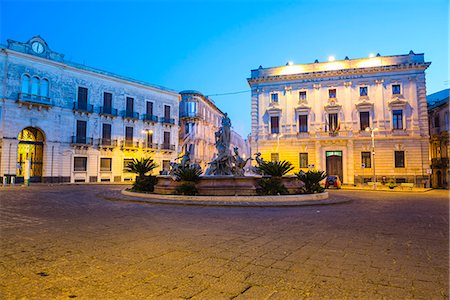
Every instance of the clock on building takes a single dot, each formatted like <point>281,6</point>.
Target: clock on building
<point>37,47</point>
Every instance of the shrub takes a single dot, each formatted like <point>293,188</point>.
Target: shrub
<point>275,169</point>
<point>187,188</point>
<point>188,174</point>
<point>271,186</point>
<point>312,180</point>
<point>145,184</point>
<point>142,166</point>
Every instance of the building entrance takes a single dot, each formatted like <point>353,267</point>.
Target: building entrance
<point>31,146</point>
<point>334,164</point>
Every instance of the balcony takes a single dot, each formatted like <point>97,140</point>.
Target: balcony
<point>107,143</point>
<point>150,118</point>
<point>168,147</point>
<point>82,141</point>
<point>129,145</point>
<point>108,111</point>
<point>190,115</point>
<point>442,162</point>
<point>130,115</point>
<point>83,108</point>
<point>167,121</point>
<point>34,100</point>
<point>150,146</point>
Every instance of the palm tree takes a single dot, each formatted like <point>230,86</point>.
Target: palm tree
<point>142,166</point>
<point>312,180</point>
<point>275,169</point>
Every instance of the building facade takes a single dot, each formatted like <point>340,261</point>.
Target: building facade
<point>65,122</point>
<point>316,115</point>
<point>438,111</point>
<point>200,119</point>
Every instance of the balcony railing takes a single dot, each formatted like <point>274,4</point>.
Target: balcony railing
<point>108,111</point>
<point>82,140</point>
<point>130,115</point>
<point>150,118</point>
<point>89,108</point>
<point>190,115</point>
<point>150,146</point>
<point>130,144</point>
<point>34,99</point>
<point>168,147</point>
<point>165,120</point>
<point>107,142</point>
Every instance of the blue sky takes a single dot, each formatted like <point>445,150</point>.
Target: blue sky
<point>211,46</point>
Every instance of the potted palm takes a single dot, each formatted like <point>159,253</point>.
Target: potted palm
<point>142,167</point>
<point>273,182</point>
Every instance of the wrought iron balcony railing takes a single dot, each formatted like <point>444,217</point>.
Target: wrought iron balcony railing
<point>168,147</point>
<point>107,142</point>
<point>81,140</point>
<point>130,115</point>
<point>165,120</point>
<point>130,144</point>
<point>108,111</point>
<point>34,99</point>
<point>150,118</point>
<point>77,106</point>
<point>150,146</point>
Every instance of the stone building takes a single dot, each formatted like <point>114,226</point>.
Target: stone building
<point>438,111</point>
<point>73,123</point>
<point>200,119</point>
<point>315,115</point>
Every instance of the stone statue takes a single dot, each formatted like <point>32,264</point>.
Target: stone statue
<point>185,159</point>
<point>239,163</point>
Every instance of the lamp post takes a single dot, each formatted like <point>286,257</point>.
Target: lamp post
<point>374,177</point>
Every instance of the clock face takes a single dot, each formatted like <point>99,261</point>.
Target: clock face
<point>37,47</point>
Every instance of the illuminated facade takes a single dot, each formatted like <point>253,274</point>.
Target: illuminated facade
<point>315,116</point>
<point>73,123</point>
<point>200,118</point>
<point>438,111</point>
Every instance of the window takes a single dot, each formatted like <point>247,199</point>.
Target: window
<point>149,138</point>
<point>105,164</point>
<point>106,134</point>
<point>166,165</point>
<point>363,91</point>
<point>126,161</point>
<point>366,160</point>
<point>333,122</point>
<point>35,86</point>
<point>82,97</point>
<point>396,89</point>
<point>274,98</point>
<point>149,110</point>
<point>189,127</point>
<point>130,107</point>
<point>274,125</point>
<point>332,93</point>
<point>128,136</point>
<point>437,121</point>
<point>274,157</point>
<point>81,132</point>
<point>191,108</point>
<point>302,96</point>
<point>25,84</point>
<point>166,112</point>
<point>44,88</point>
<point>399,159</point>
<point>166,139</point>
<point>80,164</point>
<point>303,123</point>
<point>107,103</point>
<point>364,120</point>
<point>303,160</point>
<point>397,119</point>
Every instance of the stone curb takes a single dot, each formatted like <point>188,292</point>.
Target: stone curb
<point>236,201</point>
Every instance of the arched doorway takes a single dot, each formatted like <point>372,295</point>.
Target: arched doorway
<point>31,146</point>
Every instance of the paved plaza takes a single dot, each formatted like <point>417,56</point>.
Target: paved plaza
<point>67,241</point>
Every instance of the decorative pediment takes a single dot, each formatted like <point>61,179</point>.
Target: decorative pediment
<point>302,107</point>
<point>397,102</point>
<point>332,105</point>
<point>364,103</point>
<point>274,108</point>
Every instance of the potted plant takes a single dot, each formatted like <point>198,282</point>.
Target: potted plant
<point>141,167</point>
<point>391,184</point>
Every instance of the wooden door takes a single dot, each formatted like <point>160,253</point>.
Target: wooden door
<point>334,164</point>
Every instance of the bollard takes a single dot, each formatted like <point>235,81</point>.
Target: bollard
<point>13,180</point>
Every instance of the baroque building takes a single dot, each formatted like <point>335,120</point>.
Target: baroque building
<point>200,119</point>
<point>66,122</point>
<point>438,111</point>
<point>315,116</point>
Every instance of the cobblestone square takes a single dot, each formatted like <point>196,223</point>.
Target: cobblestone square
<point>67,241</point>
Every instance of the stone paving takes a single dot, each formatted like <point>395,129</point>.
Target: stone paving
<point>60,242</point>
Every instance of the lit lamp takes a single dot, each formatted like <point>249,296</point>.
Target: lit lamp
<point>374,177</point>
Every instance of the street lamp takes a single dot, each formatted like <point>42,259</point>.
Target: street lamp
<point>374,177</point>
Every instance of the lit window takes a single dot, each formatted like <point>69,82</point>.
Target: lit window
<point>105,164</point>
<point>397,119</point>
<point>274,98</point>
<point>366,160</point>
<point>332,93</point>
<point>274,125</point>
<point>274,157</point>
<point>396,89</point>
<point>25,84</point>
<point>126,162</point>
<point>333,122</point>
<point>80,164</point>
<point>364,120</point>
<point>399,159</point>
<point>303,160</point>
<point>363,91</point>
<point>302,123</point>
<point>302,95</point>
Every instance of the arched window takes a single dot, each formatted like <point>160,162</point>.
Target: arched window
<point>25,84</point>
<point>35,86</point>
<point>44,87</point>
